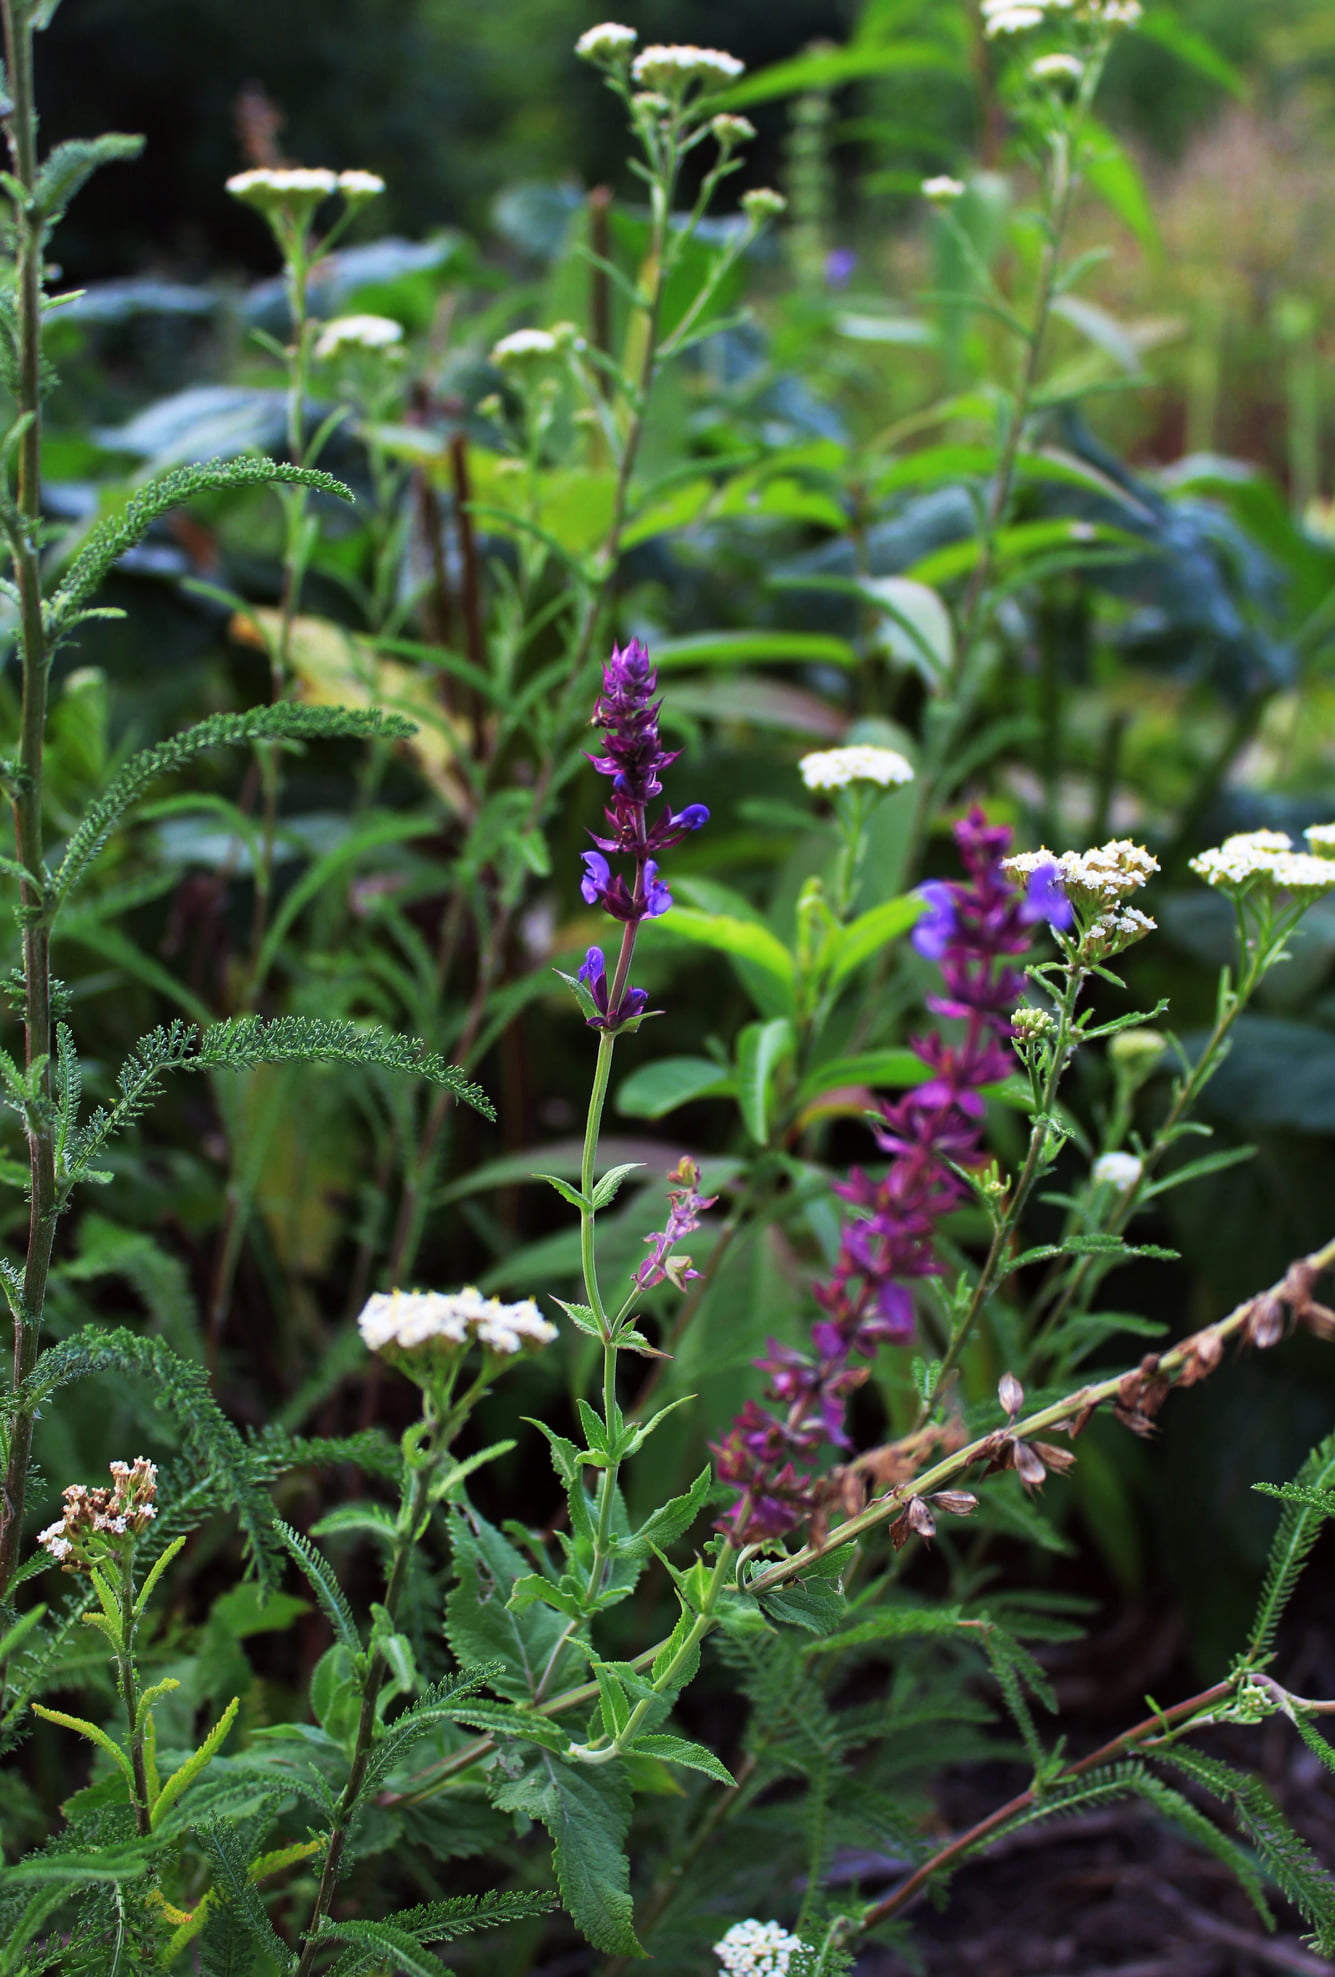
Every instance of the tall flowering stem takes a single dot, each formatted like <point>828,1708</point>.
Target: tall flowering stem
<point>974,928</point>
<point>633,758</point>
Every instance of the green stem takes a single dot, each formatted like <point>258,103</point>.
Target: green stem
<point>993,1271</point>
<point>410,1518</point>
<point>27,787</point>
<point>130,1692</point>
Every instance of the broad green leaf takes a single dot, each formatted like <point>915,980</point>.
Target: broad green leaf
<point>826,68</point>
<point>758,648</point>
<point>1160,24</point>
<point>761,1048</point>
<point>587,1812</point>
<point>871,932</point>
<point>654,1090</point>
<point>766,967</point>
<point>896,1068</point>
<point>679,1750</point>
<point>482,1629</point>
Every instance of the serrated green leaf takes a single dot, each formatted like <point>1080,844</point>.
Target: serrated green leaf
<point>679,1750</point>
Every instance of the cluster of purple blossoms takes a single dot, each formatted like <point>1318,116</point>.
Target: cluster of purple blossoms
<point>974,928</point>
<point>633,756</point>
<point>688,1205</point>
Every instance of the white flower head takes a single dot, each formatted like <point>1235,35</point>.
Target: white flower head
<point>1012,20</point>
<point>357,187</point>
<point>1057,68</point>
<point>522,347</point>
<point>1264,861</point>
<point>289,191</point>
<point>836,768</point>
<point>608,42</point>
<point>676,66</point>
<point>1095,880</point>
<point>1121,1171</point>
<point>357,333</point>
<point>421,1330</point>
<point>1321,839</point>
<point>757,1949</point>
<point>944,190</point>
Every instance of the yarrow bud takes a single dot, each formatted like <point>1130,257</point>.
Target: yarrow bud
<point>1321,839</point>
<point>676,66</point>
<point>836,768</point>
<point>1012,20</point>
<point>731,130</point>
<point>93,1519</point>
<point>522,347</point>
<point>943,191</point>
<point>1029,1022</point>
<point>357,333</point>
<point>1057,68</point>
<point>608,42</point>
<point>358,187</point>
<point>288,191</point>
<point>763,203</point>
<point>1135,1053</point>
<point>757,1949</point>
<point>1121,1171</point>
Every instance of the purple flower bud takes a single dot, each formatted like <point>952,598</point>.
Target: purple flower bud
<point>597,876</point>
<point>594,969</point>
<point>693,818</point>
<point>936,928</point>
<point>633,1003</point>
<point>1045,899</point>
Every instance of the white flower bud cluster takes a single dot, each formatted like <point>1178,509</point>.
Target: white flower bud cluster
<point>1121,1171</point>
<point>836,768</point>
<point>762,202</point>
<point>1321,839</point>
<point>757,1949</point>
<point>1112,932</point>
<point>357,333</point>
<point>1019,16</point>
<point>605,43</point>
<point>731,130</point>
<point>1057,68</point>
<point>523,346</point>
<point>356,186</point>
<point>676,65</point>
<point>405,1322</point>
<point>275,182</point>
<point>1266,860</point>
<point>1028,1022</point>
<point>127,1508</point>
<point>943,191</point>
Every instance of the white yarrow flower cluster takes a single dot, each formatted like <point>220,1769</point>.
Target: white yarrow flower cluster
<point>1011,20</point>
<point>836,768</point>
<point>1268,861</point>
<point>404,1322</point>
<point>1102,877</point>
<point>1321,839</point>
<point>124,1510</point>
<point>757,1949</point>
<point>675,66</point>
<point>943,191</point>
<point>1116,1170</point>
<point>522,346</point>
<point>357,333</point>
<point>606,42</point>
<point>1057,68</point>
<point>274,183</point>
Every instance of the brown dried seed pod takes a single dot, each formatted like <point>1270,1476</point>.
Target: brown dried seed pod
<point>1265,1322</point>
<point>920,1518</point>
<point>900,1531</point>
<point>1011,1394</point>
<point>1059,1460</point>
<point>1028,1466</point>
<point>957,1503</point>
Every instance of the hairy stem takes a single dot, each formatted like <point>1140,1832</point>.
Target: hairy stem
<point>27,789</point>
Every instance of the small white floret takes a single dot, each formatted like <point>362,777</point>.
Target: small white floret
<point>1057,68</point>
<point>677,65</point>
<point>356,186</point>
<point>836,768</point>
<point>943,190</point>
<point>1116,1170</point>
<point>522,346</point>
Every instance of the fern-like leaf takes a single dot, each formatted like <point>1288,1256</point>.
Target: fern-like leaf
<point>319,1574</point>
<point>235,1890</point>
<point>439,1703</point>
<point>111,537</point>
<point>241,1044</point>
<point>1288,1860</point>
<point>444,1922</point>
<point>1304,1513</point>
<point>284,721</point>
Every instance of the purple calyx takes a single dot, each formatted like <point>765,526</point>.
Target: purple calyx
<point>632,1002</point>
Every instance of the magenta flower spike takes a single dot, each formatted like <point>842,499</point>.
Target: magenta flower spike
<point>973,928</point>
